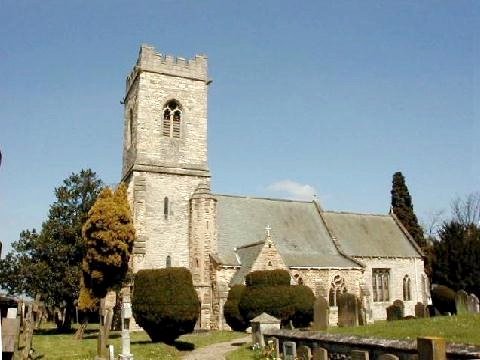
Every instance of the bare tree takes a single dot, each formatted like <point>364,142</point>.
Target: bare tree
<point>432,223</point>
<point>466,210</point>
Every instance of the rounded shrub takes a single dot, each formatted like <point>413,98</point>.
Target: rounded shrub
<point>443,299</point>
<point>165,303</point>
<point>303,299</point>
<point>232,314</point>
<point>268,278</point>
<point>274,300</point>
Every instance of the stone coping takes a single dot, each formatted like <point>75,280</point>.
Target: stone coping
<point>457,351</point>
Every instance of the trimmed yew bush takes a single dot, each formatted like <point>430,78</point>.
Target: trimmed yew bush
<point>268,278</point>
<point>165,303</point>
<point>303,299</point>
<point>232,314</point>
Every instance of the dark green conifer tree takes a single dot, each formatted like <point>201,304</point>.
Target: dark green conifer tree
<point>402,207</point>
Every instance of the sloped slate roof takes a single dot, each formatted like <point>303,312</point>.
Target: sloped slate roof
<point>369,235</point>
<point>247,254</point>
<point>297,230</point>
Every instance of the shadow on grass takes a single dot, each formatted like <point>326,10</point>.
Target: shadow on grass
<point>239,343</point>
<point>179,345</point>
<point>94,335</point>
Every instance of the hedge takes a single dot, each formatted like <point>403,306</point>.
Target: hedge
<point>232,314</point>
<point>268,278</point>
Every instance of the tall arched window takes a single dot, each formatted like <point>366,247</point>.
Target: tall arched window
<point>165,208</point>
<point>407,295</point>
<point>172,116</point>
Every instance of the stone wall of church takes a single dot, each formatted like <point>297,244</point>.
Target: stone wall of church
<point>398,268</point>
<point>159,234</point>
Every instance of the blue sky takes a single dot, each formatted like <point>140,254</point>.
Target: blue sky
<point>307,97</point>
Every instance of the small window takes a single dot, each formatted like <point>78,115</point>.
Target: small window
<point>381,284</point>
<point>197,263</point>
<point>168,262</point>
<point>130,127</point>
<point>165,208</point>
<point>407,295</point>
<point>172,116</point>
<point>269,263</point>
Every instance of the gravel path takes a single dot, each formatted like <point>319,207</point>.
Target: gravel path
<point>216,351</point>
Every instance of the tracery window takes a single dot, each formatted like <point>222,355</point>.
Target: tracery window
<point>381,284</point>
<point>407,295</point>
<point>336,289</point>
<point>172,115</point>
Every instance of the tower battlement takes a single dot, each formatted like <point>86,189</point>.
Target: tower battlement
<point>151,60</point>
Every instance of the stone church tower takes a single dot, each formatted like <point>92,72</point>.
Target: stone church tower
<point>165,155</point>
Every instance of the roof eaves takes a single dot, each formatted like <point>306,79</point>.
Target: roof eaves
<point>407,234</point>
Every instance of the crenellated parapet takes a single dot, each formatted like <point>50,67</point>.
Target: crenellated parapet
<point>151,60</point>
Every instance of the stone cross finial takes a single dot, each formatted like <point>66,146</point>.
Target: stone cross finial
<point>267,230</point>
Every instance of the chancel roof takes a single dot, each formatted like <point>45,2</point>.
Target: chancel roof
<point>369,235</point>
<point>297,230</point>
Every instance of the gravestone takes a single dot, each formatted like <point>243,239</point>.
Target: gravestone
<point>475,303</point>
<point>319,353</point>
<point>12,313</point>
<point>400,305</point>
<point>395,311</point>
<point>362,313</point>
<point>320,314</point>
<point>461,302</point>
<point>387,357</point>
<point>261,323</point>
<point>126,317</point>
<point>431,348</point>
<point>304,353</point>
<point>347,310</point>
<point>289,350</point>
<point>359,355</point>
<point>421,311</point>
<point>10,329</point>
<point>366,303</point>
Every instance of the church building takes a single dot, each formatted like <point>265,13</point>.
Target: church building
<point>221,238</point>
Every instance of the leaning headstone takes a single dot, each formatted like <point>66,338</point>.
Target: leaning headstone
<point>320,314</point>
<point>461,302</point>
<point>421,311</point>
<point>388,357</point>
<point>304,353</point>
<point>347,310</point>
<point>359,355</point>
<point>319,353</point>
<point>289,350</point>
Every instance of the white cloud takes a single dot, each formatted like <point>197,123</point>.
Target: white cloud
<point>293,190</point>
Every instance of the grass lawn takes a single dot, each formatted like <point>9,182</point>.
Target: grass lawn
<point>54,346</point>
<point>456,329</point>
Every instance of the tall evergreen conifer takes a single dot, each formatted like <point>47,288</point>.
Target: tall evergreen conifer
<point>403,209</point>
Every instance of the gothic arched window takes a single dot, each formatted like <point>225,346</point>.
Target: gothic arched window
<point>407,295</point>
<point>172,116</point>
<point>336,289</point>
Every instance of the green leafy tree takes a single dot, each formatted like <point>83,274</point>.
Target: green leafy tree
<point>232,314</point>
<point>403,209</point>
<point>165,303</point>
<point>457,257</point>
<point>108,236</point>
<point>48,263</point>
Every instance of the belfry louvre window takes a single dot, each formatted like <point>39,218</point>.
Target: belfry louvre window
<point>380,284</point>
<point>172,116</point>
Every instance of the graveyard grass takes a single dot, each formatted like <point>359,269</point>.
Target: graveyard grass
<point>53,346</point>
<point>455,329</point>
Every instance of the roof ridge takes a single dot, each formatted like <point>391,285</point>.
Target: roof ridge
<point>251,244</point>
<point>354,213</point>
<point>264,198</point>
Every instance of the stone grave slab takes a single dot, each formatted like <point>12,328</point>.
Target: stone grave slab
<point>304,353</point>
<point>347,310</point>
<point>360,355</point>
<point>319,353</point>
<point>387,357</point>
<point>320,314</point>
<point>289,350</point>
<point>461,302</point>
